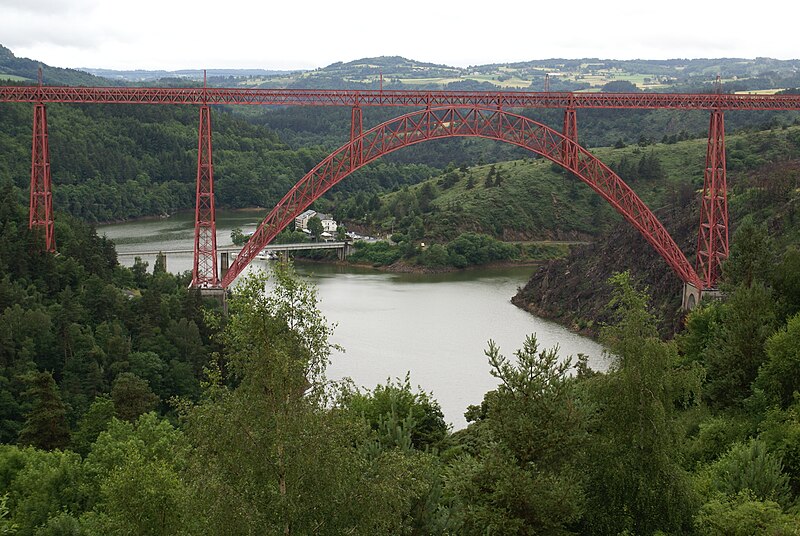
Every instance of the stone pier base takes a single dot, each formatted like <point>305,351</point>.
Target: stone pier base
<point>218,293</point>
<point>692,296</point>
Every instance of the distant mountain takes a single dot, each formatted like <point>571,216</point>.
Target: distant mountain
<point>143,75</point>
<point>557,74</point>
<point>765,75</point>
<point>24,70</point>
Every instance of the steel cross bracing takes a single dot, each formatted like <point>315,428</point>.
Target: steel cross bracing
<point>712,243</point>
<point>315,97</point>
<point>40,217</point>
<point>446,122</point>
<point>712,236</point>
<point>204,270</point>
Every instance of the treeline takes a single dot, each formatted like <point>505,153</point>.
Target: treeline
<point>28,69</point>
<point>120,162</point>
<point>78,325</point>
<point>108,428</point>
<point>694,436</point>
<point>468,249</point>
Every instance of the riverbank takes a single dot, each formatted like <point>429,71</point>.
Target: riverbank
<point>402,267</point>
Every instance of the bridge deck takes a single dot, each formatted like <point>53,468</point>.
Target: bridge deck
<point>303,246</point>
<point>349,97</point>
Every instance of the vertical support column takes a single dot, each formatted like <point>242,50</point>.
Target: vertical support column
<point>356,128</point>
<point>712,243</point>
<point>41,204</point>
<point>204,272</point>
<point>569,151</point>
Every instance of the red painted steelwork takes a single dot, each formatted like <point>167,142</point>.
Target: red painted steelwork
<point>41,205</point>
<point>204,272</point>
<point>447,122</point>
<point>356,128</point>
<point>570,150</point>
<point>344,97</point>
<point>712,243</point>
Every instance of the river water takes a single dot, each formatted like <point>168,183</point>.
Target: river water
<point>434,326</point>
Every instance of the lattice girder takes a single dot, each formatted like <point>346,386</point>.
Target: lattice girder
<point>446,122</point>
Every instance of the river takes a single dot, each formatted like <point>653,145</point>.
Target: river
<point>434,326</point>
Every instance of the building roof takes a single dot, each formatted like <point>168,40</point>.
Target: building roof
<point>308,214</point>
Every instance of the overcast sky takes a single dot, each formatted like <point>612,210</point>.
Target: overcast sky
<point>305,34</point>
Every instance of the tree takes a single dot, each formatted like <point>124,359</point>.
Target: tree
<point>525,479</point>
<point>425,196</point>
<point>269,456</point>
<point>635,480</point>
<point>238,237</point>
<point>7,528</point>
<point>46,424</point>
<point>41,485</point>
<point>160,266</point>
<point>736,351</point>
<point>498,179</point>
<point>779,376</point>
<point>488,181</point>
<point>742,515</point>
<point>315,226</point>
<point>132,396</point>
<point>397,400</point>
<point>650,168</point>
<point>749,466</point>
<point>139,269</point>
<point>751,258</point>
<point>133,472</point>
<point>92,424</point>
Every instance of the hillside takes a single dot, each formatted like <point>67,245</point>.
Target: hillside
<point>587,74</point>
<point>532,203</point>
<point>533,199</point>
<point>764,186</point>
<point>557,74</point>
<point>26,71</point>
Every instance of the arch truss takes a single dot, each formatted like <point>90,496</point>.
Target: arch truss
<point>473,121</point>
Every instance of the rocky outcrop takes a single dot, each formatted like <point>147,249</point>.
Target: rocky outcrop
<point>574,290</point>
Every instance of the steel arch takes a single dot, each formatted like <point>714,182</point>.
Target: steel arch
<point>455,121</point>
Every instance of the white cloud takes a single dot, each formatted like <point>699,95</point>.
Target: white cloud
<point>172,34</point>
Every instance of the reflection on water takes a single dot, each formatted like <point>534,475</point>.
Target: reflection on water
<point>435,326</point>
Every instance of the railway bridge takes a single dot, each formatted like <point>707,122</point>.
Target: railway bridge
<point>437,115</point>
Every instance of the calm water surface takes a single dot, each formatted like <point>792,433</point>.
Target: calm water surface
<point>434,326</point>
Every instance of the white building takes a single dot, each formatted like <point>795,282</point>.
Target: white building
<point>328,223</point>
<point>301,221</point>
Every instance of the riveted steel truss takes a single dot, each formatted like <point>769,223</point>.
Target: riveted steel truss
<point>347,97</point>
<point>712,243</point>
<point>204,271</point>
<point>447,122</point>
<point>40,217</point>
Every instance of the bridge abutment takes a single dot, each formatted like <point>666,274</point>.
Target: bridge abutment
<point>219,294</point>
<point>693,295</point>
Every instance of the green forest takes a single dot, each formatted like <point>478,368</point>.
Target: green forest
<point>129,406</point>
